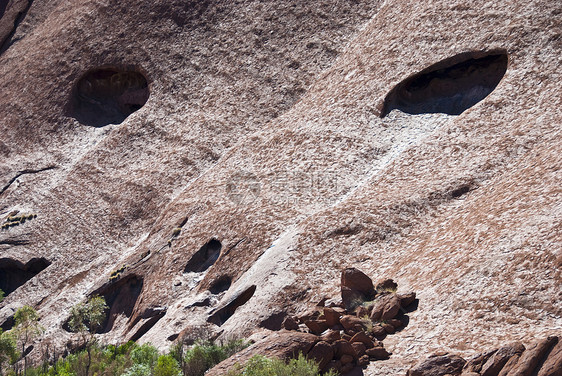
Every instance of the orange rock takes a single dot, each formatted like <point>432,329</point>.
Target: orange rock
<point>332,315</point>
<point>552,366</point>
<point>345,359</point>
<point>363,361</point>
<point>352,323</point>
<point>388,328</point>
<point>363,338</point>
<point>343,347</point>
<point>316,326</point>
<point>378,353</point>
<point>331,336</point>
<point>322,353</point>
<point>359,348</point>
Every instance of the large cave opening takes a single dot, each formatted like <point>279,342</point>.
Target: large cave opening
<point>206,256</point>
<point>450,86</point>
<point>108,96</point>
<point>14,273</point>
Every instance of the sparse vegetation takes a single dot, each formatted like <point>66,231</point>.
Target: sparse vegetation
<point>262,366</point>
<point>14,220</point>
<point>117,272</point>
<point>131,359</point>
<point>26,329</point>
<point>86,318</point>
<point>166,366</point>
<point>368,323</point>
<point>8,350</point>
<point>204,355</point>
<point>1,295</point>
<point>383,290</point>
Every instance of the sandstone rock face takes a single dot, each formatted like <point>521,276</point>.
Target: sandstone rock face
<point>552,366</point>
<point>290,134</point>
<point>496,362</point>
<point>530,359</point>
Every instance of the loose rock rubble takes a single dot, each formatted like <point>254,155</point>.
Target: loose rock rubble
<point>542,358</point>
<point>339,334</point>
<point>350,332</point>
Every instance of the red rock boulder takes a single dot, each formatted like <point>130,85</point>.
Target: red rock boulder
<point>439,365</point>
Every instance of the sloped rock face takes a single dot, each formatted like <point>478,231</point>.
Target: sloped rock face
<point>262,129</point>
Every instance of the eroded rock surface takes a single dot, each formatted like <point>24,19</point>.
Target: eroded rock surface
<point>263,130</point>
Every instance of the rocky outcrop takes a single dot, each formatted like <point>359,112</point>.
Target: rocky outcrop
<point>529,360</point>
<point>346,338</point>
<point>540,358</point>
<point>552,366</point>
<point>439,365</point>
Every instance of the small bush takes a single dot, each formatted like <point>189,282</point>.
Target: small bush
<point>138,370</point>
<point>262,366</point>
<point>146,355</point>
<point>205,355</point>
<point>166,366</point>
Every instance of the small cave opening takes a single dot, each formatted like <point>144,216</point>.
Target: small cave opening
<point>108,95</point>
<point>121,298</point>
<point>8,323</point>
<point>220,285</point>
<point>221,315</point>
<point>14,273</point>
<point>151,317</point>
<point>457,193</point>
<point>274,321</point>
<point>450,86</point>
<point>206,256</point>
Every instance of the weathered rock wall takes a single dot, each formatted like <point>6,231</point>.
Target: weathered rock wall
<point>263,131</point>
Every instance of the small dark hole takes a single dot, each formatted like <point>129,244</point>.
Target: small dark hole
<point>108,96</point>
<point>8,323</point>
<point>14,274</point>
<point>460,191</point>
<point>221,315</point>
<point>204,257</point>
<point>220,285</point>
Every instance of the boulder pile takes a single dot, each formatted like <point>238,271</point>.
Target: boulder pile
<point>350,330</point>
<point>542,358</point>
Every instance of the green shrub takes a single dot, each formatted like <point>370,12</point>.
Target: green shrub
<point>166,366</point>
<point>138,370</point>
<point>8,349</point>
<point>205,355</point>
<point>146,355</point>
<point>262,366</point>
